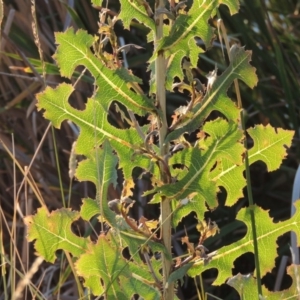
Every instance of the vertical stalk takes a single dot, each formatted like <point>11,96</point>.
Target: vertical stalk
<point>247,167</point>
<point>160,75</point>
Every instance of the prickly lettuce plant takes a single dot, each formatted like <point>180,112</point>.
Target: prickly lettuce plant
<point>185,176</point>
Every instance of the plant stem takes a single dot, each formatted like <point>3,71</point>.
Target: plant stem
<point>247,167</point>
<point>252,214</point>
<point>160,75</point>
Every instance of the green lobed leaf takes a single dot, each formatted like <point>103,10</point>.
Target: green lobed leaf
<point>74,50</point>
<point>216,98</point>
<point>134,242</point>
<point>101,169</point>
<point>94,126</point>
<point>267,235</point>
<point>104,265</point>
<point>231,177</point>
<point>181,41</point>
<point>135,10</point>
<point>89,209</point>
<point>142,270</point>
<point>52,232</point>
<point>269,145</point>
<point>246,286</point>
<point>293,292</point>
<point>173,60</point>
<point>179,273</point>
<point>224,141</point>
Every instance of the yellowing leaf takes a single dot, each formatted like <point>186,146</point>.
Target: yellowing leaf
<point>107,273</point>
<point>52,232</point>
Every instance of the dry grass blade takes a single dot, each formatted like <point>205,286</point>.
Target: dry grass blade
<point>7,25</point>
<point>18,115</point>
<point>27,278</point>
<point>36,38</point>
<point>1,16</point>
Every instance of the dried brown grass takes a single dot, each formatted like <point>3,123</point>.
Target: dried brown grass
<point>34,156</point>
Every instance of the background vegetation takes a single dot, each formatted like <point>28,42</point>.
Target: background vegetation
<point>269,28</point>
